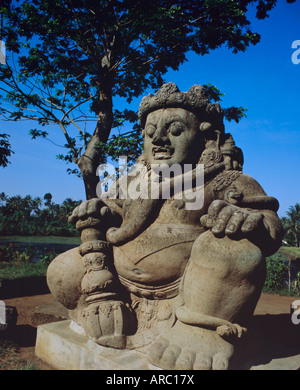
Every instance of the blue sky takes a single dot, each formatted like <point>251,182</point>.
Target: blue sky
<point>263,79</point>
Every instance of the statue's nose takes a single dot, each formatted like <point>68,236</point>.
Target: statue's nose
<point>160,137</point>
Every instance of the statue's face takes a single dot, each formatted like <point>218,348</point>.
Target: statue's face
<point>171,137</point>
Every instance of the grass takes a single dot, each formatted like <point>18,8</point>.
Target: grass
<point>291,250</point>
<point>15,270</point>
<point>11,360</point>
<point>42,239</point>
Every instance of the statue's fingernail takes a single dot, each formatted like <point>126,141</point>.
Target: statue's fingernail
<point>231,228</point>
<point>248,225</point>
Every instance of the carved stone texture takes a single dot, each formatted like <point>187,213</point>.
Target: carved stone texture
<point>178,283</point>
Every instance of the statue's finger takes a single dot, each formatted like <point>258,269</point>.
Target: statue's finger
<point>74,216</point>
<point>93,208</point>
<point>222,220</point>
<point>235,222</point>
<point>207,221</point>
<point>82,211</point>
<point>215,207</point>
<point>252,222</point>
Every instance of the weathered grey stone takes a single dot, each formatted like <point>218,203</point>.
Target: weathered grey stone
<point>8,316</point>
<point>64,349</point>
<point>175,276</point>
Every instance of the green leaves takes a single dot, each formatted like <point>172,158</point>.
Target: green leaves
<point>68,59</point>
<point>291,225</point>
<point>5,150</point>
<point>34,216</point>
<point>213,92</point>
<point>129,145</point>
<point>34,133</point>
<point>277,273</point>
<point>231,113</point>
<point>235,113</point>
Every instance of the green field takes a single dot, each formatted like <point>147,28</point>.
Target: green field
<point>42,245</point>
<point>293,251</point>
<point>15,271</point>
<point>41,240</point>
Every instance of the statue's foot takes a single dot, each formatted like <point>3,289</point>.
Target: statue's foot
<point>186,347</point>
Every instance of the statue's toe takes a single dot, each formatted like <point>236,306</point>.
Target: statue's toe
<point>170,356</point>
<point>220,361</point>
<point>185,360</point>
<point>203,362</point>
<point>157,349</point>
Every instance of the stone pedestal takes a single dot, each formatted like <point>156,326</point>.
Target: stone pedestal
<point>64,349</point>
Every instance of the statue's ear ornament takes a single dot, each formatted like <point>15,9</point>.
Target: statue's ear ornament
<point>209,157</point>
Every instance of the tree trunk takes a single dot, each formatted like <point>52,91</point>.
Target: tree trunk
<point>296,238</point>
<point>89,161</point>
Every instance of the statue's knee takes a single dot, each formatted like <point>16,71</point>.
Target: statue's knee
<point>64,277</point>
<point>209,249</point>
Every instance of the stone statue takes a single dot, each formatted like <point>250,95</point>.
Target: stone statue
<point>178,284</point>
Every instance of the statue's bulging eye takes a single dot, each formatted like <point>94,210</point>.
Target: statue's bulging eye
<point>150,130</point>
<point>176,128</point>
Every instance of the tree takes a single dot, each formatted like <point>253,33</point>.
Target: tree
<point>48,199</point>
<point>31,216</point>
<point>5,150</point>
<point>291,225</point>
<point>70,58</point>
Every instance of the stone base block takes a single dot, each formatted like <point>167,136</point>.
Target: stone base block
<point>64,349</point>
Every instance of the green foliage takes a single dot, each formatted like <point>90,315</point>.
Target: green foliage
<point>291,225</point>
<point>68,59</point>
<point>25,254</point>
<point>230,113</point>
<point>5,150</point>
<point>34,133</point>
<point>29,216</point>
<point>130,146</point>
<point>13,253</point>
<point>277,274</point>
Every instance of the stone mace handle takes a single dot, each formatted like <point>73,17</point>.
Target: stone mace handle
<point>104,322</point>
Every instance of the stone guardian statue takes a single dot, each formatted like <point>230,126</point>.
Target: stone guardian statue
<point>178,283</point>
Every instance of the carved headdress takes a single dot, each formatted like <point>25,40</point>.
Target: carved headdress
<point>195,101</point>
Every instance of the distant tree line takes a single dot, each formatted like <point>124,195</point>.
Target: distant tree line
<point>291,226</point>
<point>36,216</point>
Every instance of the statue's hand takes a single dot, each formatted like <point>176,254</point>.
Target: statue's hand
<point>94,208</point>
<point>224,218</point>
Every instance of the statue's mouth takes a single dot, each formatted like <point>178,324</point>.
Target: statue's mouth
<point>162,152</point>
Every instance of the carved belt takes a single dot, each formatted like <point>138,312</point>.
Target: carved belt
<point>166,291</point>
